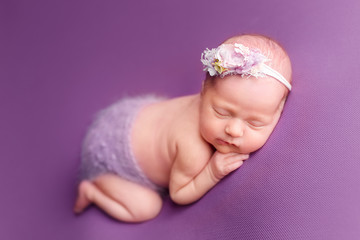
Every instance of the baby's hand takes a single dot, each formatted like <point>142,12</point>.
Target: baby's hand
<point>221,164</point>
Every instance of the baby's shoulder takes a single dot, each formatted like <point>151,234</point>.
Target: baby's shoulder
<point>194,146</point>
<point>192,154</point>
<point>185,132</point>
<point>185,122</point>
<point>190,144</point>
<point>183,114</point>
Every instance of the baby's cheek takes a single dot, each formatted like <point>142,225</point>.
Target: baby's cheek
<point>210,128</point>
<point>257,141</point>
<point>205,129</point>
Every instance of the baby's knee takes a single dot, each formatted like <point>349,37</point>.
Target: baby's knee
<point>148,208</point>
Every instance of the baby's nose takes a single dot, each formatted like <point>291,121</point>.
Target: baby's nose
<point>235,128</point>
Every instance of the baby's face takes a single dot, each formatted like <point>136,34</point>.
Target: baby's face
<point>239,114</point>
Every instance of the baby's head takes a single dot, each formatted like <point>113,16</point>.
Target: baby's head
<point>244,92</point>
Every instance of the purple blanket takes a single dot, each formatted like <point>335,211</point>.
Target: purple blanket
<point>62,61</point>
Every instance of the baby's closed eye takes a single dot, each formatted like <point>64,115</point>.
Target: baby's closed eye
<point>221,112</point>
<point>256,123</point>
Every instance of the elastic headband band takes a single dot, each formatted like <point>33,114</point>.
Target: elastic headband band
<point>238,59</point>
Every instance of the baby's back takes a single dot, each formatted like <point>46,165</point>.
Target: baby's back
<point>158,130</point>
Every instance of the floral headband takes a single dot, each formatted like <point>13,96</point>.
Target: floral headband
<point>238,59</point>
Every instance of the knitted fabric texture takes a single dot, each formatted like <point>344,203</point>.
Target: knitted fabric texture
<point>107,144</point>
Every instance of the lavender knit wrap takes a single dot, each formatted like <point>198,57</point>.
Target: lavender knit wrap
<point>107,144</point>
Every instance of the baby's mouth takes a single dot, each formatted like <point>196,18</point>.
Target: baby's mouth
<point>222,142</point>
<point>225,143</point>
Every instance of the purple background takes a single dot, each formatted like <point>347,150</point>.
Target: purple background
<point>61,61</point>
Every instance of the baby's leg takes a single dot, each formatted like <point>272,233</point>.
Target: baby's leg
<point>121,199</point>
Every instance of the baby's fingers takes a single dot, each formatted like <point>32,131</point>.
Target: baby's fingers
<point>238,157</point>
<point>223,164</point>
<point>233,166</point>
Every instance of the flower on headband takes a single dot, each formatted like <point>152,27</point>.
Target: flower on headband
<point>208,60</point>
<point>233,59</point>
<point>238,59</point>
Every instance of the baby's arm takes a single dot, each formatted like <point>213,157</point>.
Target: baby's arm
<point>189,181</point>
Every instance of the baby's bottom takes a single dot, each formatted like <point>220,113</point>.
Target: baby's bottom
<point>121,199</point>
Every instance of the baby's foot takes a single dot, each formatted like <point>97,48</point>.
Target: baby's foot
<point>83,200</point>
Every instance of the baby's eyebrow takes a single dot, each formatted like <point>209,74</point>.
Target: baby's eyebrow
<point>224,105</point>
<point>218,107</point>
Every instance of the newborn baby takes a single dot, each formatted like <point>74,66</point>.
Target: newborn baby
<point>138,147</point>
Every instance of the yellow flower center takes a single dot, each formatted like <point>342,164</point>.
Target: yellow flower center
<point>217,65</point>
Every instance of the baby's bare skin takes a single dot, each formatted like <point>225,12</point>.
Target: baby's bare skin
<point>159,130</point>
<point>189,144</point>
